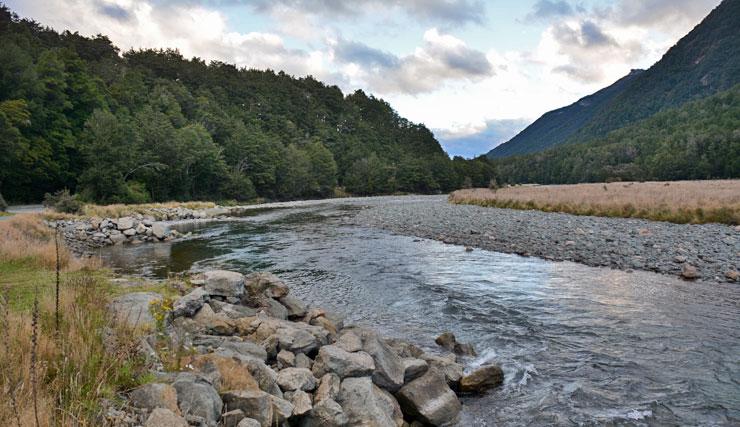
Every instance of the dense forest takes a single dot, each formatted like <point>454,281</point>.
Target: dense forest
<point>699,140</point>
<point>151,125</point>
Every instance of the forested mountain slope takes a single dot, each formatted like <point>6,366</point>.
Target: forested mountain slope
<point>152,125</point>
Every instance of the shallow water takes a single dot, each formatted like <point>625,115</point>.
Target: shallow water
<point>578,345</point>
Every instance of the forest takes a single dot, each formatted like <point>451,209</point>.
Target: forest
<point>151,125</point>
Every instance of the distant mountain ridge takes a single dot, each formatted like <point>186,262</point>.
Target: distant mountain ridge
<point>555,127</point>
<point>702,63</point>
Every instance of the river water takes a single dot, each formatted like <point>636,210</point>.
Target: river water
<point>578,345</point>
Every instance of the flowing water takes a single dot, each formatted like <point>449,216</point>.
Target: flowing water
<point>579,345</point>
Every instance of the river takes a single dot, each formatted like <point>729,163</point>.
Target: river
<point>579,345</point>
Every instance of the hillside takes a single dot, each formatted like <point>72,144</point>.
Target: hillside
<point>151,125</point>
<point>557,126</point>
<point>704,62</point>
<point>699,140</point>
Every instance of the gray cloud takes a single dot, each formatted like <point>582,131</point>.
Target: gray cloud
<point>587,35</point>
<point>114,11</point>
<point>659,13</point>
<point>474,144</point>
<point>544,9</point>
<point>359,53</point>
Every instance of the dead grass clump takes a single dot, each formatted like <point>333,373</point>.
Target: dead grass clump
<point>695,202</point>
<point>26,238</point>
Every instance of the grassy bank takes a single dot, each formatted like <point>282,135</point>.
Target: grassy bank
<point>57,373</point>
<point>695,202</point>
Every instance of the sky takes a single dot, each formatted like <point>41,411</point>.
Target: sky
<point>475,72</point>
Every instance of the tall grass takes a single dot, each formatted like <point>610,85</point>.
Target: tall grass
<point>695,202</point>
<point>25,238</point>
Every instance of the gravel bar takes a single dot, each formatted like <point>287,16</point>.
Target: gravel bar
<point>625,244</point>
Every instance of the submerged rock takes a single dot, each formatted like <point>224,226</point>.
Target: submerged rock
<point>482,379</point>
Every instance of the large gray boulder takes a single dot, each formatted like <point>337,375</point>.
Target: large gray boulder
<point>301,403</point>
<point>159,230</point>
<point>389,369</point>
<point>368,405</point>
<point>265,376</point>
<point>291,379</point>
<point>133,309</point>
<point>326,413</point>
<point>162,417</point>
<point>296,308</point>
<point>198,397</point>
<point>296,337</point>
<point>255,404</point>
<point>452,370</point>
<point>246,348</point>
<point>124,223</point>
<point>328,387</point>
<point>413,368</point>
<point>332,358</point>
<point>189,304</point>
<point>430,400</point>
<point>224,283</point>
<point>265,285</point>
<point>155,395</point>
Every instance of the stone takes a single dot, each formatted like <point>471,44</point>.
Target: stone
<point>232,311</point>
<point>196,396</point>
<point>464,349</point>
<point>216,212</point>
<point>163,417</point>
<point>404,349</point>
<point>254,403</point>
<point>274,309</point>
<point>452,370</point>
<point>265,284</point>
<point>133,309</point>
<point>189,304</point>
<point>732,275</point>
<point>301,403</point>
<point>413,368</point>
<point>296,308</point>
<point>117,239</point>
<point>281,409</point>
<point>303,361</point>
<point>367,404</point>
<point>324,323</point>
<point>246,348</point>
<point>248,422</point>
<point>446,340</point>
<point>155,395</point>
<point>482,379</point>
<point>689,272</point>
<point>265,376</point>
<point>159,230</point>
<point>232,418</point>
<point>291,379</point>
<point>285,359</point>
<point>230,373</point>
<point>328,387</point>
<point>296,337</point>
<point>213,323</point>
<point>332,358</point>
<point>224,283</point>
<point>429,399</point>
<point>679,259</point>
<point>140,229</point>
<point>389,370</point>
<point>349,341</point>
<point>125,223</point>
<point>129,232</point>
<point>326,413</point>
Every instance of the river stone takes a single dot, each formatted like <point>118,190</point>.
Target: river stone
<point>326,413</point>
<point>452,370</point>
<point>343,363</point>
<point>328,387</point>
<point>446,340</point>
<point>429,399</point>
<point>368,405</point>
<point>285,359</point>
<point>129,232</point>
<point>159,230</point>
<point>389,369</point>
<point>303,361</point>
<point>117,238</point>
<point>404,349</point>
<point>246,348</point>
<point>349,341</point>
<point>189,304</point>
<point>274,309</point>
<point>291,379</point>
<point>689,272</point>
<point>301,403</point>
<point>232,311</point>
<point>140,229</point>
<point>482,379</point>
<point>162,417</point>
<point>281,410</point>
<point>197,396</point>
<point>248,422</point>
<point>124,223</point>
<point>155,395</point>
<point>224,283</point>
<point>133,308</point>
<point>413,368</point>
<point>255,404</point>
<point>296,337</point>
<point>265,284</point>
<point>296,308</point>
<point>213,323</point>
<point>232,418</point>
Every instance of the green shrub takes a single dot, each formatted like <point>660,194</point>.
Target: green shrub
<point>63,201</point>
<point>3,205</point>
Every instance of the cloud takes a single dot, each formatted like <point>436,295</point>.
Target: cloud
<point>545,9</point>
<point>442,58</point>
<point>474,140</point>
<point>667,15</point>
<point>114,11</point>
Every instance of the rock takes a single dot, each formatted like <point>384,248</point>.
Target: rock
<point>133,309</point>
<point>189,304</point>
<point>404,349</point>
<point>446,340</point>
<point>285,359</point>
<point>248,422</point>
<point>224,283</point>
<point>155,395</point>
<point>325,323</point>
<point>296,337</point>
<point>129,232</point>
<point>296,308</point>
<point>265,284</point>
<point>389,370</point>
<point>117,239</point>
<point>281,409</point>
<point>197,396</point>
<point>732,275</point>
<point>343,363</point>
<point>301,403</point>
<point>213,323</point>
<point>464,350</point>
<point>159,230</point>
<point>162,417</point>
<point>349,341</point>
<point>468,249</point>
<point>265,376</point>
<point>291,379</point>
<point>232,418</point>
<point>140,229</point>
<point>124,223</point>
<point>689,272</point>
<point>303,361</point>
<point>413,368</point>
<point>326,413</point>
<point>215,212</point>
<point>254,403</point>
<point>368,405</point>
<point>482,379</point>
<point>246,348</point>
<point>328,387</point>
<point>232,311</point>
<point>679,259</point>
<point>228,373</point>
<point>452,370</point>
<point>429,399</point>
<point>274,309</point>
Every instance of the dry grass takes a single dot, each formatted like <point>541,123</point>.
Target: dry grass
<point>119,210</point>
<point>25,238</point>
<point>694,202</point>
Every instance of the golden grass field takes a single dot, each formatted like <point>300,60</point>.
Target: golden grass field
<point>682,202</point>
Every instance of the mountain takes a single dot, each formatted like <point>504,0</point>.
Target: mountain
<point>557,126</point>
<point>151,125</point>
<point>702,63</point>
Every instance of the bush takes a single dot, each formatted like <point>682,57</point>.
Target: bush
<point>63,201</point>
<point>3,205</point>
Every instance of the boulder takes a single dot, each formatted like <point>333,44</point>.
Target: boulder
<point>265,284</point>
<point>232,311</point>
<point>325,323</point>
<point>429,399</point>
<point>224,283</point>
<point>155,395</point>
<point>124,223</point>
<point>482,379</point>
<point>301,403</point>
<point>159,230</point>
<point>326,413</point>
<point>129,232</point>
<point>413,368</point>
<point>248,422</point>
<point>452,370</point>
<point>349,341</point>
<point>296,337</point>
<point>291,379</point>
<point>281,409</point>
<point>133,308</point>
<point>296,308</point>
<point>389,370</point>
<point>246,348</point>
<point>189,304</point>
<point>213,323</point>
<point>343,363</point>
<point>196,396</point>
<point>232,418</point>
<point>274,308</point>
<point>404,349</point>
<point>140,229</point>
<point>368,405</point>
<point>328,387</point>
<point>255,404</point>
<point>162,417</point>
<point>303,361</point>
<point>448,341</point>
<point>265,376</point>
<point>285,359</point>
<point>117,239</point>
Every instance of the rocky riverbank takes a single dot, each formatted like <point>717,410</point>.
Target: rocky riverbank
<point>709,252</point>
<point>242,351</point>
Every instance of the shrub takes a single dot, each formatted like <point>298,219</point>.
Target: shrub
<point>63,201</point>
<point>3,205</point>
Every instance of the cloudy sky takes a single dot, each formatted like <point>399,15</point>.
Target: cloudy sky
<point>475,72</point>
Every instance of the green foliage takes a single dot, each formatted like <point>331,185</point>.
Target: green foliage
<point>150,125</point>
<point>63,201</point>
<point>3,204</point>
